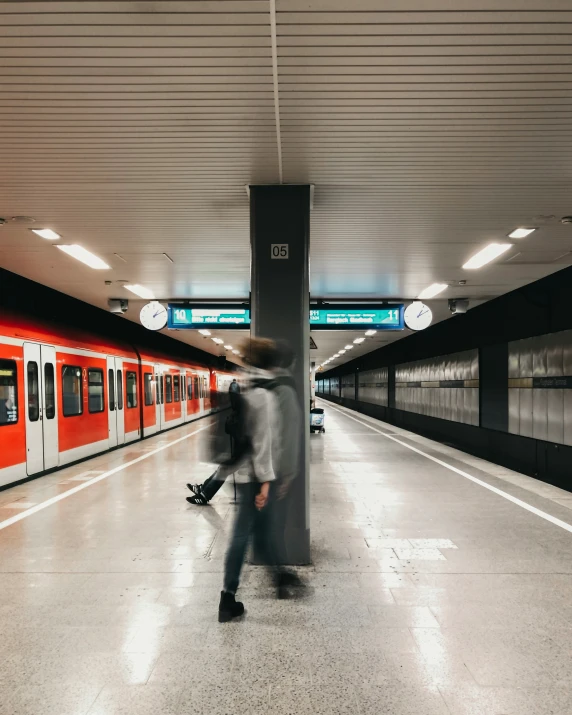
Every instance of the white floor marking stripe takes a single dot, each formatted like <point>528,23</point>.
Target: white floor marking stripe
<point>84,485</point>
<point>505,495</point>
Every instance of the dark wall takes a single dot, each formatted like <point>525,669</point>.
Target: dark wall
<point>537,309</point>
<point>20,295</point>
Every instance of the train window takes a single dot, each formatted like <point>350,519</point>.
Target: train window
<point>196,390</point>
<point>95,402</point>
<point>205,387</point>
<point>159,381</point>
<point>8,393</point>
<point>176,392</point>
<point>148,381</point>
<point>49,391</point>
<point>168,388</point>
<point>111,383</point>
<point>183,393</point>
<point>33,392</point>
<point>190,388</point>
<point>131,389</point>
<point>120,389</point>
<point>72,391</point>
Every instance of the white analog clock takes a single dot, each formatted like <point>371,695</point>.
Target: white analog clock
<point>417,316</point>
<point>153,316</point>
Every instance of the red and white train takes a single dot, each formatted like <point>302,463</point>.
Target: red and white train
<point>66,395</point>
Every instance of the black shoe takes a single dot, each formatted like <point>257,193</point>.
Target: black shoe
<point>229,607</point>
<point>199,500</point>
<point>195,488</point>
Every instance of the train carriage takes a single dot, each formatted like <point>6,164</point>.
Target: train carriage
<point>66,395</point>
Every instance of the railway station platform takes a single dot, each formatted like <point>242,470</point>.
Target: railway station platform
<point>441,585</point>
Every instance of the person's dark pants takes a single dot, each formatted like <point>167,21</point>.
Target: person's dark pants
<point>234,399</point>
<point>211,486</point>
<point>248,519</point>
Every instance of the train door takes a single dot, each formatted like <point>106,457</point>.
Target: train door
<point>41,412</point>
<point>183,379</point>
<point>115,406</point>
<point>158,396</point>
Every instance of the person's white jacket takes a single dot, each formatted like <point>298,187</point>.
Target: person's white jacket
<point>262,426</point>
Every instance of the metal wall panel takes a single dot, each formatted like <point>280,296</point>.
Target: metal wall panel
<point>525,369</point>
<point>349,386</point>
<point>372,386</point>
<point>567,352</point>
<point>513,360</point>
<point>555,426</point>
<point>539,351</point>
<point>567,400</point>
<point>514,410</point>
<point>460,404</point>
<point>525,409</point>
<point>554,354</point>
<point>540,413</point>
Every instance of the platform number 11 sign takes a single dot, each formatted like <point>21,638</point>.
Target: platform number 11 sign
<point>279,250</point>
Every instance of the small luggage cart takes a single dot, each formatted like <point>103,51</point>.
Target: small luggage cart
<point>317,420</point>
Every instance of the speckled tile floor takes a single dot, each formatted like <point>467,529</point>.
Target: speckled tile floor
<point>428,594</point>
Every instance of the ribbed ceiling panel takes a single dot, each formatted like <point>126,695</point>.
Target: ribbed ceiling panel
<point>428,127</point>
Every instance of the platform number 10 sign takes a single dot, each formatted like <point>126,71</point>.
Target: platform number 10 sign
<point>279,250</point>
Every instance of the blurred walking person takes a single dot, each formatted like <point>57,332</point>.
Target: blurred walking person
<point>255,473</point>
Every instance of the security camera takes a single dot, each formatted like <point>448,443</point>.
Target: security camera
<point>458,306</point>
<point>118,305</point>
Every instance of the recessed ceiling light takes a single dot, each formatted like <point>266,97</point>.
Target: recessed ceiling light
<point>521,232</point>
<point>488,254</point>
<point>204,331</point>
<point>357,341</point>
<point>46,233</point>
<point>218,341</point>
<point>348,347</point>
<point>369,333</point>
<point>228,347</point>
<point>431,291</point>
<point>236,352</point>
<point>81,254</point>
<point>141,291</point>
<point>341,352</point>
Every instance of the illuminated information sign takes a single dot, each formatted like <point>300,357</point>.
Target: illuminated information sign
<point>193,318</point>
<point>386,318</point>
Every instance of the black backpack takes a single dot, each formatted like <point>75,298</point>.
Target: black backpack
<point>229,441</point>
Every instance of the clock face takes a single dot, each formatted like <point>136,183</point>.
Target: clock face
<point>417,316</point>
<point>153,316</point>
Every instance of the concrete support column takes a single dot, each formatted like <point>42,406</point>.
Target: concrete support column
<point>312,381</point>
<point>280,309</point>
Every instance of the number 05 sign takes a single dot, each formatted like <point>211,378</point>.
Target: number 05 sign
<point>279,250</point>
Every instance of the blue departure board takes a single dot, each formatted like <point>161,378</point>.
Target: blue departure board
<point>181,317</point>
<point>386,318</point>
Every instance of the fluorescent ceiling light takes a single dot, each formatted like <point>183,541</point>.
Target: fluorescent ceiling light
<point>431,291</point>
<point>342,352</point>
<point>236,352</point>
<point>228,347</point>
<point>204,331</point>
<point>141,291</point>
<point>517,233</point>
<point>348,347</point>
<point>357,341</point>
<point>218,341</point>
<point>369,333</point>
<point>488,254</point>
<point>84,256</point>
<point>46,233</point>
